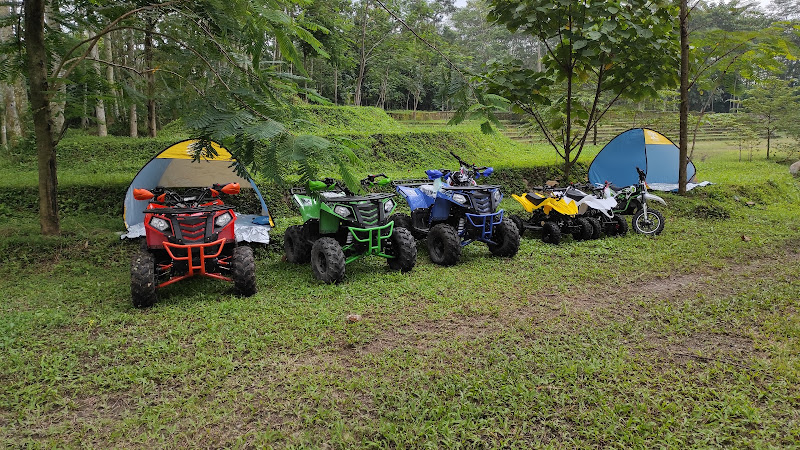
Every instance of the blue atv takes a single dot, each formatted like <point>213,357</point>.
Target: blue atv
<point>451,210</point>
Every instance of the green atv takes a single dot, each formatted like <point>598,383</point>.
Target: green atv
<point>342,226</point>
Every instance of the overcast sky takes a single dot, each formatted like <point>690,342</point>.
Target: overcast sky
<point>763,3</point>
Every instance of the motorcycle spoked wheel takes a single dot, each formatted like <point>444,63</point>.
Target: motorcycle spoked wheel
<point>651,224</point>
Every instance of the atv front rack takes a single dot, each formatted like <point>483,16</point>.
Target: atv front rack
<point>412,182</point>
<point>196,256</point>
<point>374,237</point>
<point>485,224</point>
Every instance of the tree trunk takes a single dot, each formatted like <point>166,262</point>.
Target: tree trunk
<point>9,103</point>
<point>769,133</point>
<point>684,90</point>
<point>12,113</point>
<point>362,60</point>
<point>133,116</point>
<point>336,85</point>
<point>150,78</point>
<point>58,102</point>
<point>85,110</point>
<point>36,56</point>
<point>108,55</point>
<point>3,132</point>
<point>99,107</point>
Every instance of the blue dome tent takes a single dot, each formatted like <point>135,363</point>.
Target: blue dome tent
<point>649,150</point>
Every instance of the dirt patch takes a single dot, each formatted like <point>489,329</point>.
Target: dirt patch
<point>622,302</point>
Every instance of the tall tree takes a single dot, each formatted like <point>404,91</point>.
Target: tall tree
<point>772,103</point>
<point>37,62</point>
<point>596,53</point>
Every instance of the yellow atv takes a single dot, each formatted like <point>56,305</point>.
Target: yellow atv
<point>552,215</point>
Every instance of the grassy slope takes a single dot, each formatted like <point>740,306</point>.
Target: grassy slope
<point>689,339</point>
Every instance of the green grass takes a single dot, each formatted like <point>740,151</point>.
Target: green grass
<point>689,339</point>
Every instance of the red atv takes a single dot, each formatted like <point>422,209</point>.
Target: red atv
<point>187,235</point>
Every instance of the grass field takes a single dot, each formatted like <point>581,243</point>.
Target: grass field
<point>690,339</point>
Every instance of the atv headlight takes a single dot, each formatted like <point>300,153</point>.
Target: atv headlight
<point>460,198</point>
<point>159,223</point>
<point>497,196</point>
<point>388,206</point>
<point>223,219</point>
<point>343,211</point>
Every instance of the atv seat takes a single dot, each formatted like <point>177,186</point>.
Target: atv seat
<point>536,199</point>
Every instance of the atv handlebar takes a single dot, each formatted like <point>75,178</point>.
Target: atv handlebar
<point>370,180</point>
<point>642,174</point>
<point>168,197</point>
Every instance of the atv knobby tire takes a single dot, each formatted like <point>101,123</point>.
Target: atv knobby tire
<point>620,227</point>
<point>506,236</point>
<point>327,260</point>
<point>551,233</point>
<point>297,248</point>
<point>520,223</point>
<point>597,227</point>
<point>444,245</point>
<point>402,246</point>
<point>651,224</point>
<point>401,220</point>
<point>143,280</point>
<point>584,229</point>
<point>243,271</point>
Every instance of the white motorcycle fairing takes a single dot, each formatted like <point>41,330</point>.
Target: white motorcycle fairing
<point>648,196</point>
<point>604,205</point>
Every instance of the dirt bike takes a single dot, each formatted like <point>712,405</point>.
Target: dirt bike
<point>633,200</point>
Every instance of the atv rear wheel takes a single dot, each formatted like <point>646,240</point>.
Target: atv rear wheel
<point>243,271</point>
<point>444,245</point>
<point>619,227</point>
<point>597,228</point>
<point>403,247</point>
<point>651,223</point>
<point>401,220</point>
<point>520,223</point>
<point>551,233</point>
<point>327,260</point>
<point>297,248</point>
<point>583,231</point>
<point>506,236</point>
<point>143,280</point>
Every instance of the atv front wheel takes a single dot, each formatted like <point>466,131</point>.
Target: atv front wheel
<point>243,271</point>
<point>551,233</point>
<point>506,236</point>
<point>520,223</point>
<point>403,248</point>
<point>327,260</point>
<point>143,280</point>
<point>583,231</point>
<point>297,248</point>
<point>597,228</point>
<point>651,223</point>
<point>444,245</point>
